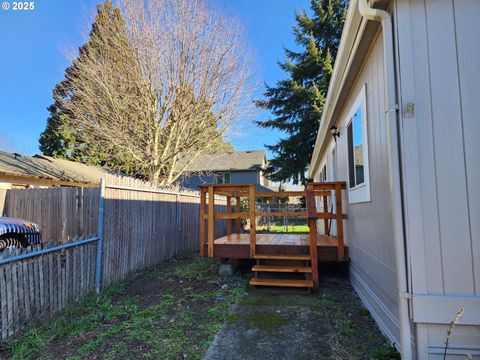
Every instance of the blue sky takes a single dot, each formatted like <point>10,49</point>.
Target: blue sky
<point>33,45</point>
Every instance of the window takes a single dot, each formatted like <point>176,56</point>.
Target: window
<point>223,178</point>
<point>356,165</point>
<point>357,150</point>
<point>323,174</point>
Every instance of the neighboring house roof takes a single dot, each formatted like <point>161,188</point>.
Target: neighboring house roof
<point>231,161</point>
<point>264,188</point>
<point>48,168</point>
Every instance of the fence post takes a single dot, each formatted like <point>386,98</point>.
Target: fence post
<point>203,201</point>
<point>101,204</point>
<point>178,236</point>
<point>211,221</point>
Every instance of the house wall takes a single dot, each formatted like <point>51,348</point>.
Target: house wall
<point>439,67</point>
<point>369,235</point>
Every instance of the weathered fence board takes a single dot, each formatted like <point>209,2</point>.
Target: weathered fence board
<point>62,213</point>
<point>143,226</point>
<point>30,288</point>
<point>3,194</point>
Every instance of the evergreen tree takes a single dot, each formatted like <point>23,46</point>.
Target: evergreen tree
<point>61,138</point>
<point>297,102</point>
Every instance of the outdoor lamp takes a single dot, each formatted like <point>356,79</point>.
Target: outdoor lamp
<point>335,133</point>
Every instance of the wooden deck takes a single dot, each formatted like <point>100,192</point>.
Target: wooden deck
<point>296,253</point>
<point>237,246</point>
<point>275,239</point>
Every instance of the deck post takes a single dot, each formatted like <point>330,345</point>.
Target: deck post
<point>339,219</point>
<point>238,223</point>
<point>312,235</point>
<point>253,229</point>
<point>229,211</point>
<point>325,221</point>
<point>211,220</point>
<point>203,198</point>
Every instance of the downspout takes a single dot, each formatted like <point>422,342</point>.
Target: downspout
<point>391,117</point>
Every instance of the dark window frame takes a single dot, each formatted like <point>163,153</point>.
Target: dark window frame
<point>220,177</point>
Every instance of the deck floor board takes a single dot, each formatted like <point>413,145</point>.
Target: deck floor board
<point>275,239</point>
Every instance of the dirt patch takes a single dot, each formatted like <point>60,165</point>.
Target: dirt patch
<point>174,310</point>
<point>171,311</point>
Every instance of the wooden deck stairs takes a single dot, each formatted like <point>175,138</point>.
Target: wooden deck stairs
<point>298,265</point>
<point>288,260</point>
<point>305,267</point>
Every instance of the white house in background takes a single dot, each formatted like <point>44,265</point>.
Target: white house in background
<point>405,97</point>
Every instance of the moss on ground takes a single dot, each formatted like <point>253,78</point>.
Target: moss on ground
<point>265,320</point>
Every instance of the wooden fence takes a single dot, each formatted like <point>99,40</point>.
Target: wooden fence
<point>142,226</point>
<point>62,213</point>
<point>3,194</point>
<point>36,288</point>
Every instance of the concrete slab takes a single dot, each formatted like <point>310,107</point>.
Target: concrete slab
<point>267,325</point>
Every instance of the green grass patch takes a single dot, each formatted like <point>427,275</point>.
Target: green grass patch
<point>169,312</point>
<point>291,229</point>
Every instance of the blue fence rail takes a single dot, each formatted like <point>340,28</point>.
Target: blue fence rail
<point>38,281</point>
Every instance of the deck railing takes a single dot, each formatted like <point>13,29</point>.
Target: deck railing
<point>329,193</point>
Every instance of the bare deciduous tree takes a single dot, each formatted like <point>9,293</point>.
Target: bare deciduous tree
<point>167,81</point>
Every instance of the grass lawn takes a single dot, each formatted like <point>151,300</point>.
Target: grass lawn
<point>174,310</point>
<point>292,229</point>
<point>170,312</point>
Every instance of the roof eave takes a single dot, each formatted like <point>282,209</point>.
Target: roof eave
<point>342,60</point>
<point>352,34</point>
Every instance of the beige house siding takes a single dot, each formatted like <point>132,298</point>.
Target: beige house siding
<point>438,83</point>
<point>439,57</point>
<point>369,235</point>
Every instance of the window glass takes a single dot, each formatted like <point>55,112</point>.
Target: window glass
<point>323,174</point>
<point>355,150</point>
<point>226,178</point>
<point>351,168</point>
<point>223,178</point>
<point>358,147</point>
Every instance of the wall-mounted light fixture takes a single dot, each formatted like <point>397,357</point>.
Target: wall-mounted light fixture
<point>335,133</point>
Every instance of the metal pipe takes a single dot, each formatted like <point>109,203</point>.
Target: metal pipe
<point>391,117</point>
<point>46,251</point>
<point>101,209</point>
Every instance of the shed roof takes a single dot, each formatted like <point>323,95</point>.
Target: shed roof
<point>49,168</point>
<point>231,161</point>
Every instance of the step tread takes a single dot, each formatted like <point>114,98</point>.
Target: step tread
<point>282,282</point>
<point>284,268</point>
<point>282,257</point>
